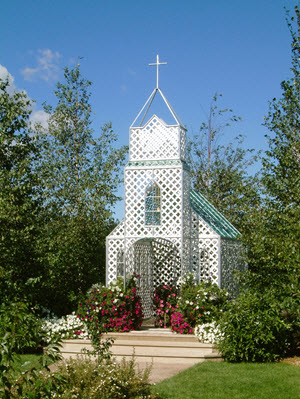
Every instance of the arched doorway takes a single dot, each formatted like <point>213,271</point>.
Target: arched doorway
<point>157,261</point>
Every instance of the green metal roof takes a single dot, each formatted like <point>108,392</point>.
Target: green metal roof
<point>212,217</point>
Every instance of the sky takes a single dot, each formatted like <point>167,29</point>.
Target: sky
<point>237,48</point>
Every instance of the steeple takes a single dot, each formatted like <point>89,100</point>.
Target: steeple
<point>139,120</point>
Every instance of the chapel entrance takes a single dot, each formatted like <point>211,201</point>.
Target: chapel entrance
<point>157,261</point>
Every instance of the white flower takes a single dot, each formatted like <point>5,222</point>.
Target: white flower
<point>208,333</point>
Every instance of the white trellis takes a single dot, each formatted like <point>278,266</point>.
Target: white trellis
<point>168,228</point>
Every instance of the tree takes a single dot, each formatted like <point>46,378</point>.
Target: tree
<point>220,172</point>
<point>80,177</point>
<point>274,253</point>
<point>273,246</point>
<point>20,210</point>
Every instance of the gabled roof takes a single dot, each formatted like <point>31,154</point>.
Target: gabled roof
<point>212,216</point>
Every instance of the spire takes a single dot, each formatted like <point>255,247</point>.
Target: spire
<point>148,103</point>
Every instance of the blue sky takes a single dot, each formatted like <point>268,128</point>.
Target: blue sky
<point>238,48</point>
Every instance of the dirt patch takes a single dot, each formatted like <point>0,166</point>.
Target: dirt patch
<point>295,361</point>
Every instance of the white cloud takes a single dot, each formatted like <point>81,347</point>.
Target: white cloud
<point>4,74</point>
<point>39,117</point>
<point>47,67</point>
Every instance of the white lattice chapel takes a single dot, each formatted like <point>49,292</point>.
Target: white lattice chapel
<point>168,229</point>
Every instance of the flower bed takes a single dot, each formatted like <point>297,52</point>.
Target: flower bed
<point>208,333</point>
<point>113,309</point>
<point>67,327</point>
<point>188,304</point>
<point>164,304</point>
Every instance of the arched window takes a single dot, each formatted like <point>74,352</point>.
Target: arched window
<point>152,204</point>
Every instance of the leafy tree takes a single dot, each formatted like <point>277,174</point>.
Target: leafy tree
<point>220,172</point>
<point>273,246</point>
<point>279,236</point>
<point>80,177</point>
<point>20,211</point>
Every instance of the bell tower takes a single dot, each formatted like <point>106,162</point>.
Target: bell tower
<point>157,187</point>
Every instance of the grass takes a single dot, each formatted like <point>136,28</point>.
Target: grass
<point>214,380</point>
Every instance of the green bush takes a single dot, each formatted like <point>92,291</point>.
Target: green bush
<point>253,329</point>
<point>86,379</point>
<point>201,303</point>
<point>20,321</point>
<point>19,332</point>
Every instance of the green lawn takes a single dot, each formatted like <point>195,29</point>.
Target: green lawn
<point>214,380</point>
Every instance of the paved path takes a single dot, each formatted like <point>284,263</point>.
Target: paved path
<point>161,371</point>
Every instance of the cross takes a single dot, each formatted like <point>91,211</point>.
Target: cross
<point>157,63</point>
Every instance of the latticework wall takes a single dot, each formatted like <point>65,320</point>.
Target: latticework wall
<point>158,141</point>
<point>115,243</point>
<point>156,261</point>
<point>205,250</point>
<point>231,261</point>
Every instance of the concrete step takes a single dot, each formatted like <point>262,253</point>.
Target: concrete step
<point>155,334</point>
<point>148,345</point>
<point>143,350</point>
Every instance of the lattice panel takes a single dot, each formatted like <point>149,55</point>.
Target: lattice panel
<point>166,262</point>
<point>155,140</point>
<point>157,261</point>
<point>199,227</point>
<point>113,249</point>
<point>208,257</point>
<point>231,260</point>
<point>118,231</point>
<point>169,182</point>
<point>186,223</point>
<point>183,144</point>
<point>143,266</point>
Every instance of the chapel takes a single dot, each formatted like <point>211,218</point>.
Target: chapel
<point>169,229</point>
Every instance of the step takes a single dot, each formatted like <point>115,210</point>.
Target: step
<point>142,343</point>
<point>159,345</point>
<point>143,350</point>
<point>153,335</point>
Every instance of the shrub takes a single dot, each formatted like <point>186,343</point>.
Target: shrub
<point>254,330</point>
<point>20,321</point>
<point>83,378</point>
<point>188,304</point>
<point>164,304</point>
<point>112,308</point>
<point>202,303</point>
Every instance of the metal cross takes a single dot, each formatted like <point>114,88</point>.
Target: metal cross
<point>157,63</point>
